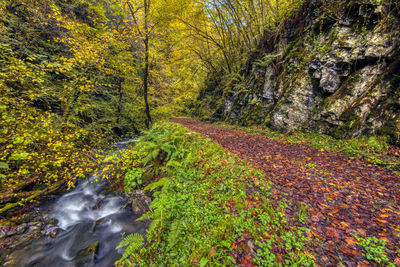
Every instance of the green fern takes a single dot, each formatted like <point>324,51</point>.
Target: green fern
<point>175,232</point>
<point>159,183</point>
<point>133,243</point>
<point>146,216</point>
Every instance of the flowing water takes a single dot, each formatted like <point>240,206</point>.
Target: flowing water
<point>88,217</point>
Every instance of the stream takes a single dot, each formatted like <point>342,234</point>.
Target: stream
<point>90,221</point>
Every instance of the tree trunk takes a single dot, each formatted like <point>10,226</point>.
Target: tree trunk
<point>119,107</point>
<point>146,64</point>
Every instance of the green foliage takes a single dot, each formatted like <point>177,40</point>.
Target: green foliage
<point>133,243</point>
<point>268,59</point>
<point>201,206</point>
<point>375,250</point>
<point>78,66</point>
<point>133,177</point>
<point>123,166</point>
<point>302,213</point>
<point>157,184</point>
<point>38,150</point>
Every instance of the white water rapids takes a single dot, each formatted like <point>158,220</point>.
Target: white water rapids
<point>86,215</point>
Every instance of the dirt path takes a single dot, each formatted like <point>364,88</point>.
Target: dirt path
<point>347,197</point>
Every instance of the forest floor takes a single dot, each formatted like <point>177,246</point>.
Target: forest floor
<point>348,201</point>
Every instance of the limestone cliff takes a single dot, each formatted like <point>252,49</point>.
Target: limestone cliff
<point>331,68</point>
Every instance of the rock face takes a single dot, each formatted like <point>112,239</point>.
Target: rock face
<point>140,202</point>
<point>337,74</point>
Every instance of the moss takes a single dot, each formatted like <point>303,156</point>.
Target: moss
<point>342,91</point>
<point>267,119</point>
<point>352,123</point>
<point>252,115</point>
<point>391,130</point>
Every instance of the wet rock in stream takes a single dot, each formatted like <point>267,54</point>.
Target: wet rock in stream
<point>87,255</point>
<point>140,203</point>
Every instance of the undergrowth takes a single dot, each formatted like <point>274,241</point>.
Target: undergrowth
<point>40,152</point>
<point>375,250</point>
<point>210,208</point>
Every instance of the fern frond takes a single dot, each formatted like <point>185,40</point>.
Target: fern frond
<point>146,216</point>
<point>155,185</point>
<point>133,241</point>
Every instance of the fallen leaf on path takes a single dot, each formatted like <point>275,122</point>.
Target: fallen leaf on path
<point>380,220</point>
<point>212,252</point>
<point>350,252</point>
<point>350,241</point>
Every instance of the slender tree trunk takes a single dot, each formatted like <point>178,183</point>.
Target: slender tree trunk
<point>119,107</point>
<point>146,64</point>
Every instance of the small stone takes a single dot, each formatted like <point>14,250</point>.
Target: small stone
<point>21,229</point>
<point>11,233</point>
<point>33,229</point>
<point>315,218</point>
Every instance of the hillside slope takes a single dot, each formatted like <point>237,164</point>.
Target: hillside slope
<point>330,68</point>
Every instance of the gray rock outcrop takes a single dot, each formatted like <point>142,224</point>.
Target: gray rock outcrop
<point>338,75</point>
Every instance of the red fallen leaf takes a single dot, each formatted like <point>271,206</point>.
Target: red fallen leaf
<point>362,232</point>
<point>212,252</point>
<point>313,211</point>
<point>350,252</point>
<point>332,233</point>
<point>245,262</point>
<point>325,259</point>
<point>359,221</point>
<point>266,236</point>
<point>344,224</point>
<point>248,257</point>
<point>386,210</point>
<point>397,261</point>
<point>350,241</point>
<point>380,220</point>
